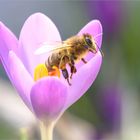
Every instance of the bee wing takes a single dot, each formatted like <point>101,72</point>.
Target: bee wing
<point>43,49</point>
<point>47,47</point>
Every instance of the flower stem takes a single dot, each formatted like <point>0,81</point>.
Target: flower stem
<point>46,130</point>
<point>24,134</point>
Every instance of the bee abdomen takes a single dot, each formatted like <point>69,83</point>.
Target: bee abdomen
<point>53,60</point>
<point>48,63</point>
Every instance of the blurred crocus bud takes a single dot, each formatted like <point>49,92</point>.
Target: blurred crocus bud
<point>110,107</point>
<point>110,13</point>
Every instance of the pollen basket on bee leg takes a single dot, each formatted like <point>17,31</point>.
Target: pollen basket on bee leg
<point>54,72</point>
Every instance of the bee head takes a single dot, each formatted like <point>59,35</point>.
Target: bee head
<point>90,43</point>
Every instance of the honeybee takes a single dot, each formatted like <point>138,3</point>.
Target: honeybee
<point>70,52</point>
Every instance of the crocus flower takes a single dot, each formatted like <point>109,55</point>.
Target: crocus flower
<point>49,96</point>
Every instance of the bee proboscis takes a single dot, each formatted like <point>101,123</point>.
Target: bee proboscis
<point>69,52</point>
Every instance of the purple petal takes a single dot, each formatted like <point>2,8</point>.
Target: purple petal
<point>8,42</point>
<point>37,29</point>
<point>83,79</point>
<point>20,78</point>
<point>86,73</point>
<point>48,97</point>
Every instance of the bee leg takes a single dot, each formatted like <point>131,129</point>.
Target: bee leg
<point>72,67</point>
<point>66,75</point>
<point>84,60</point>
<point>73,70</point>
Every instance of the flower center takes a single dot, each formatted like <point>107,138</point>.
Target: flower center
<point>41,71</point>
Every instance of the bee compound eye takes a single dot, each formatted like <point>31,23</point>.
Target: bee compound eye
<point>88,41</point>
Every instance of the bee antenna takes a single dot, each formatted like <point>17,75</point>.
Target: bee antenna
<point>100,50</point>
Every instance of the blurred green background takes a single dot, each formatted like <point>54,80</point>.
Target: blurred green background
<point>110,108</point>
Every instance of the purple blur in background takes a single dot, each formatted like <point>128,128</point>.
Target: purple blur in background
<point>110,13</point>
